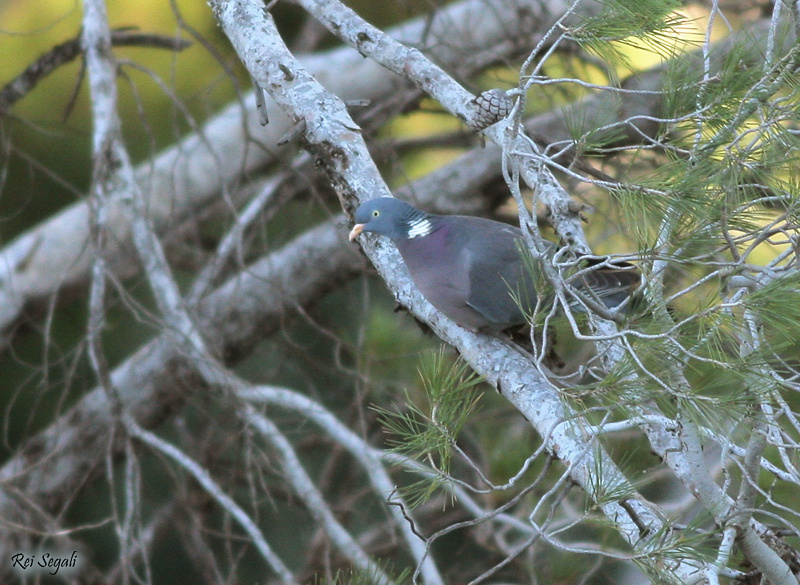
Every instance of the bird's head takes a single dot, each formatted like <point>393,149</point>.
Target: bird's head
<point>390,217</point>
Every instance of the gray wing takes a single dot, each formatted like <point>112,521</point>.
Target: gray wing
<point>498,278</point>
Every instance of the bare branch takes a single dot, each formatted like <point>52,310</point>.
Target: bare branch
<point>61,54</point>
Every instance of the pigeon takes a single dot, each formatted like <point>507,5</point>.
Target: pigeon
<point>475,271</point>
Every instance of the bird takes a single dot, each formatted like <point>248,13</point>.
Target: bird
<point>474,270</point>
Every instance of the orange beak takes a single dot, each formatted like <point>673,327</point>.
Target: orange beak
<point>356,231</point>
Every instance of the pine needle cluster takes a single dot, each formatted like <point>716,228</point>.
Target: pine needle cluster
<point>429,431</point>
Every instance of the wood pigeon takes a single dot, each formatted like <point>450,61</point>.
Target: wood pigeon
<point>472,268</point>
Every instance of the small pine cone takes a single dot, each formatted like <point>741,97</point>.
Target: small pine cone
<point>492,106</point>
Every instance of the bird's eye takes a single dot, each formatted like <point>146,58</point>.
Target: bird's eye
<point>376,213</point>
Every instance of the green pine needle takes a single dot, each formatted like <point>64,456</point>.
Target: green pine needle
<point>645,24</point>
<point>606,488</point>
<point>429,432</point>
<point>357,576</point>
<point>776,305</point>
<point>534,312</point>
<point>669,546</point>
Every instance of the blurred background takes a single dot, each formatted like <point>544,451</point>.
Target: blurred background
<point>350,350</point>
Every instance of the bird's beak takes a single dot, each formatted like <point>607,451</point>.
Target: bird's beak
<point>356,231</point>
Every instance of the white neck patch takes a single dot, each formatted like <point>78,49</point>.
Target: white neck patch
<point>419,228</point>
